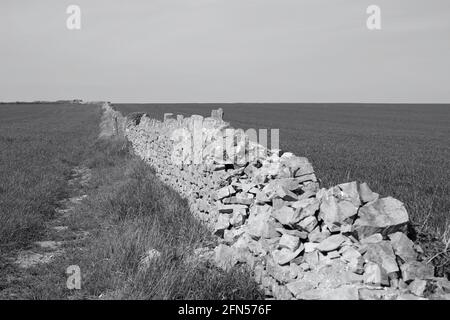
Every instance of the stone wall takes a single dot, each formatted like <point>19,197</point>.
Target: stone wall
<point>270,213</point>
<point>112,123</point>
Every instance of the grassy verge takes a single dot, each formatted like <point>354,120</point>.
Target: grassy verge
<point>129,212</point>
<point>139,213</point>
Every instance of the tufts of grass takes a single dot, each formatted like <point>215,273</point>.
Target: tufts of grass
<point>39,145</point>
<point>127,213</point>
<point>132,212</point>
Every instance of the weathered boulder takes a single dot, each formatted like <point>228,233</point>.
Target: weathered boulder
<point>260,226</point>
<point>281,292</point>
<point>286,215</point>
<point>331,243</point>
<point>289,242</point>
<point>349,253</point>
<point>375,275</point>
<point>385,216</point>
<point>418,287</point>
<point>374,238</point>
<point>317,236</point>
<point>416,270</point>
<point>299,286</point>
<point>403,247</point>
<point>349,192</point>
<point>280,188</point>
<point>310,246</point>
<point>308,224</point>
<point>225,192</point>
<point>294,232</point>
<point>299,166</point>
<point>307,207</point>
<point>282,274</point>
<point>284,256</point>
<point>365,194</point>
<point>225,257</point>
<point>382,254</point>
<point>223,223</point>
<point>334,213</point>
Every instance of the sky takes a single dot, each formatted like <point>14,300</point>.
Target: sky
<point>226,51</point>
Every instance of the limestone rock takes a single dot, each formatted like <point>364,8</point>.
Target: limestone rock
<point>286,215</point>
<point>238,218</point>
<point>409,296</point>
<point>317,236</point>
<point>382,254</point>
<point>299,286</point>
<point>281,292</point>
<point>416,270</point>
<point>232,235</point>
<point>223,223</point>
<point>296,233</point>
<point>299,166</point>
<point>375,275</point>
<point>374,238</point>
<point>289,242</point>
<point>403,247</point>
<point>310,246</point>
<point>349,192</point>
<point>349,253</point>
<point>225,192</point>
<point>224,257</point>
<point>335,213</point>
<point>365,194</point>
<point>281,273</point>
<point>306,207</point>
<point>232,208</point>
<point>331,243</point>
<point>418,287</point>
<point>376,294</point>
<point>284,256</point>
<point>260,226</point>
<point>385,216</point>
<point>333,254</point>
<point>356,265</point>
<point>308,224</point>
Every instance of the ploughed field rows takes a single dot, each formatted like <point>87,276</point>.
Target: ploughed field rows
<point>400,150</point>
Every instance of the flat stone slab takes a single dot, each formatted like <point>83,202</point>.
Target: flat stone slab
<point>60,228</point>
<point>28,259</point>
<point>53,245</point>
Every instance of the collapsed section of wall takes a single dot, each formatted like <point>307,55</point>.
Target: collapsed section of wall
<point>269,212</point>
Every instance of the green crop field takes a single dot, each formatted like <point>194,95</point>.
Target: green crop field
<point>39,145</point>
<point>399,150</point>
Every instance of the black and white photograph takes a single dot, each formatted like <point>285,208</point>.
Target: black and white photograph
<point>228,157</point>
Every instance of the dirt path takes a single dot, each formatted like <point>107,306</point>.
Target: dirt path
<point>57,237</point>
<point>58,234</point>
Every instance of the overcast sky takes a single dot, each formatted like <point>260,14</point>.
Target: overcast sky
<point>226,51</point>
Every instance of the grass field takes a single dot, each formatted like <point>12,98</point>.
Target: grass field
<point>127,212</point>
<point>400,150</point>
<point>39,145</point>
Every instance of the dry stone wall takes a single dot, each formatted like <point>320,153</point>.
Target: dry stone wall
<point>271,214</point>
<point>112,123</point>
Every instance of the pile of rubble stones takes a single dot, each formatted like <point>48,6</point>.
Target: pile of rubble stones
<point>301,241</point>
